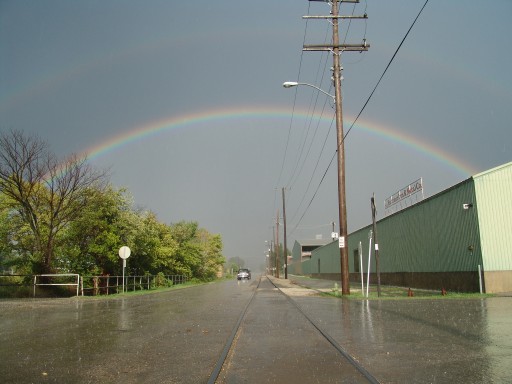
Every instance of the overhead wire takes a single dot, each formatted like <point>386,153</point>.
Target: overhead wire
<point>311,178</point>
<point>313,104</point>
<point>362,109</point>
<point>311,112</point>
<point>294,103</point>
<point>325,141</point>
<point>293,113</point>
<point>385,70</point>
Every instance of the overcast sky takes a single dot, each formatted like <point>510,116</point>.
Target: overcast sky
<point>183,101</point>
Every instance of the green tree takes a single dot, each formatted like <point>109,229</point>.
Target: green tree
<point>47,194</point>
<point>16,242</point>
<point>272,257</point>
<point>154,247</point>
<point>210,254</point>
<point>7,249</point>
<point>65,217</point>
<point>188,256</point>
<point>234,264</point>
<point>92,240</point>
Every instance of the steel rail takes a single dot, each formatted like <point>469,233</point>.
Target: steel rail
<point>227,347</point>
<point>333,342</point>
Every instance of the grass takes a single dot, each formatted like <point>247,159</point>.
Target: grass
<point>141,292</point>
<point>393,293</point>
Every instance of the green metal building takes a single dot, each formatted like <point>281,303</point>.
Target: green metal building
<point>459,239</point>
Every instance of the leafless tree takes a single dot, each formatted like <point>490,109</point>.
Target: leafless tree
<point>46,193</point>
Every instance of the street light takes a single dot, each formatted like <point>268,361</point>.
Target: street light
<point>289,84</point>
<point>336,49</point>
<point>342,205</point>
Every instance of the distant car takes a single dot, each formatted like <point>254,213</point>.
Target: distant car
<point>243,273</point>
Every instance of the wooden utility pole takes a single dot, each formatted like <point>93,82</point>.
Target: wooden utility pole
<point>284,233</point>
<point>277,245</point>
<point>336,48</point>
<point>270,261</point>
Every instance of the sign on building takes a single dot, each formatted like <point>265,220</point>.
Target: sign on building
<point>404,197</point>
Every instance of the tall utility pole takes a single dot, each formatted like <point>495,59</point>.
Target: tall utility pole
<point>271,252</point>
<point>277,245</point>
<point>284,233</point>
<point>336,48</point>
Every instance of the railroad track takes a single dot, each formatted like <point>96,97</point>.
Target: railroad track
<point>267,290</point>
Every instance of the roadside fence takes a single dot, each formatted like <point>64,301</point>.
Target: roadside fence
<point>107,285</point>
<point>15,286</point>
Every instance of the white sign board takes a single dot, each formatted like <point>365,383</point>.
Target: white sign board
<point>124,252</point>
<point>341,241</point>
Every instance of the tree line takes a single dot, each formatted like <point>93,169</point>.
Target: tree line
<point>64,216</point>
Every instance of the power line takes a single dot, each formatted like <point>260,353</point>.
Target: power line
<point>385,70</point>
<point>316,191</point>
<point>314,170</point>
<point>311,111</point>
<point>294,104</point>
<point>361,111</point>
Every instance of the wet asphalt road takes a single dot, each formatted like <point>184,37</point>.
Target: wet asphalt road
<point>177,337</point>
<point>277,344</point>
<point>171,337</point>
<point>417,340</point>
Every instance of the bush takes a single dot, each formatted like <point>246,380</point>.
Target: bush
<point>161,281</point>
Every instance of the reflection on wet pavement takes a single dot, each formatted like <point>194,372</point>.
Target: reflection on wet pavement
<point>438,341</point>
<point>178,336</point>
<point>166,337</point>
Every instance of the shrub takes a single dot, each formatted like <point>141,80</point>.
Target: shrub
<point>161,281</point>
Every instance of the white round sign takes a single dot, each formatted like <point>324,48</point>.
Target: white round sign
<point>124,252</point>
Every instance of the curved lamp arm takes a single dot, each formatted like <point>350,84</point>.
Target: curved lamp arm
<point>289,84</point>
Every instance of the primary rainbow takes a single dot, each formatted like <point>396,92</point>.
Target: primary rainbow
<point>157,127</point>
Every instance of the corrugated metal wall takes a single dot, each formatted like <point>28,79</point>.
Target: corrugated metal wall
<point>326,259</point>
<point>438,235</point>
<point>494,200</point>
<point>306,267</point>
<point>435,235</point>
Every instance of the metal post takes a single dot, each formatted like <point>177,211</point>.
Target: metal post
<point>377,267</point>
<point>361,267</point>
<point>370,235</point>
<point>480,278</point>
